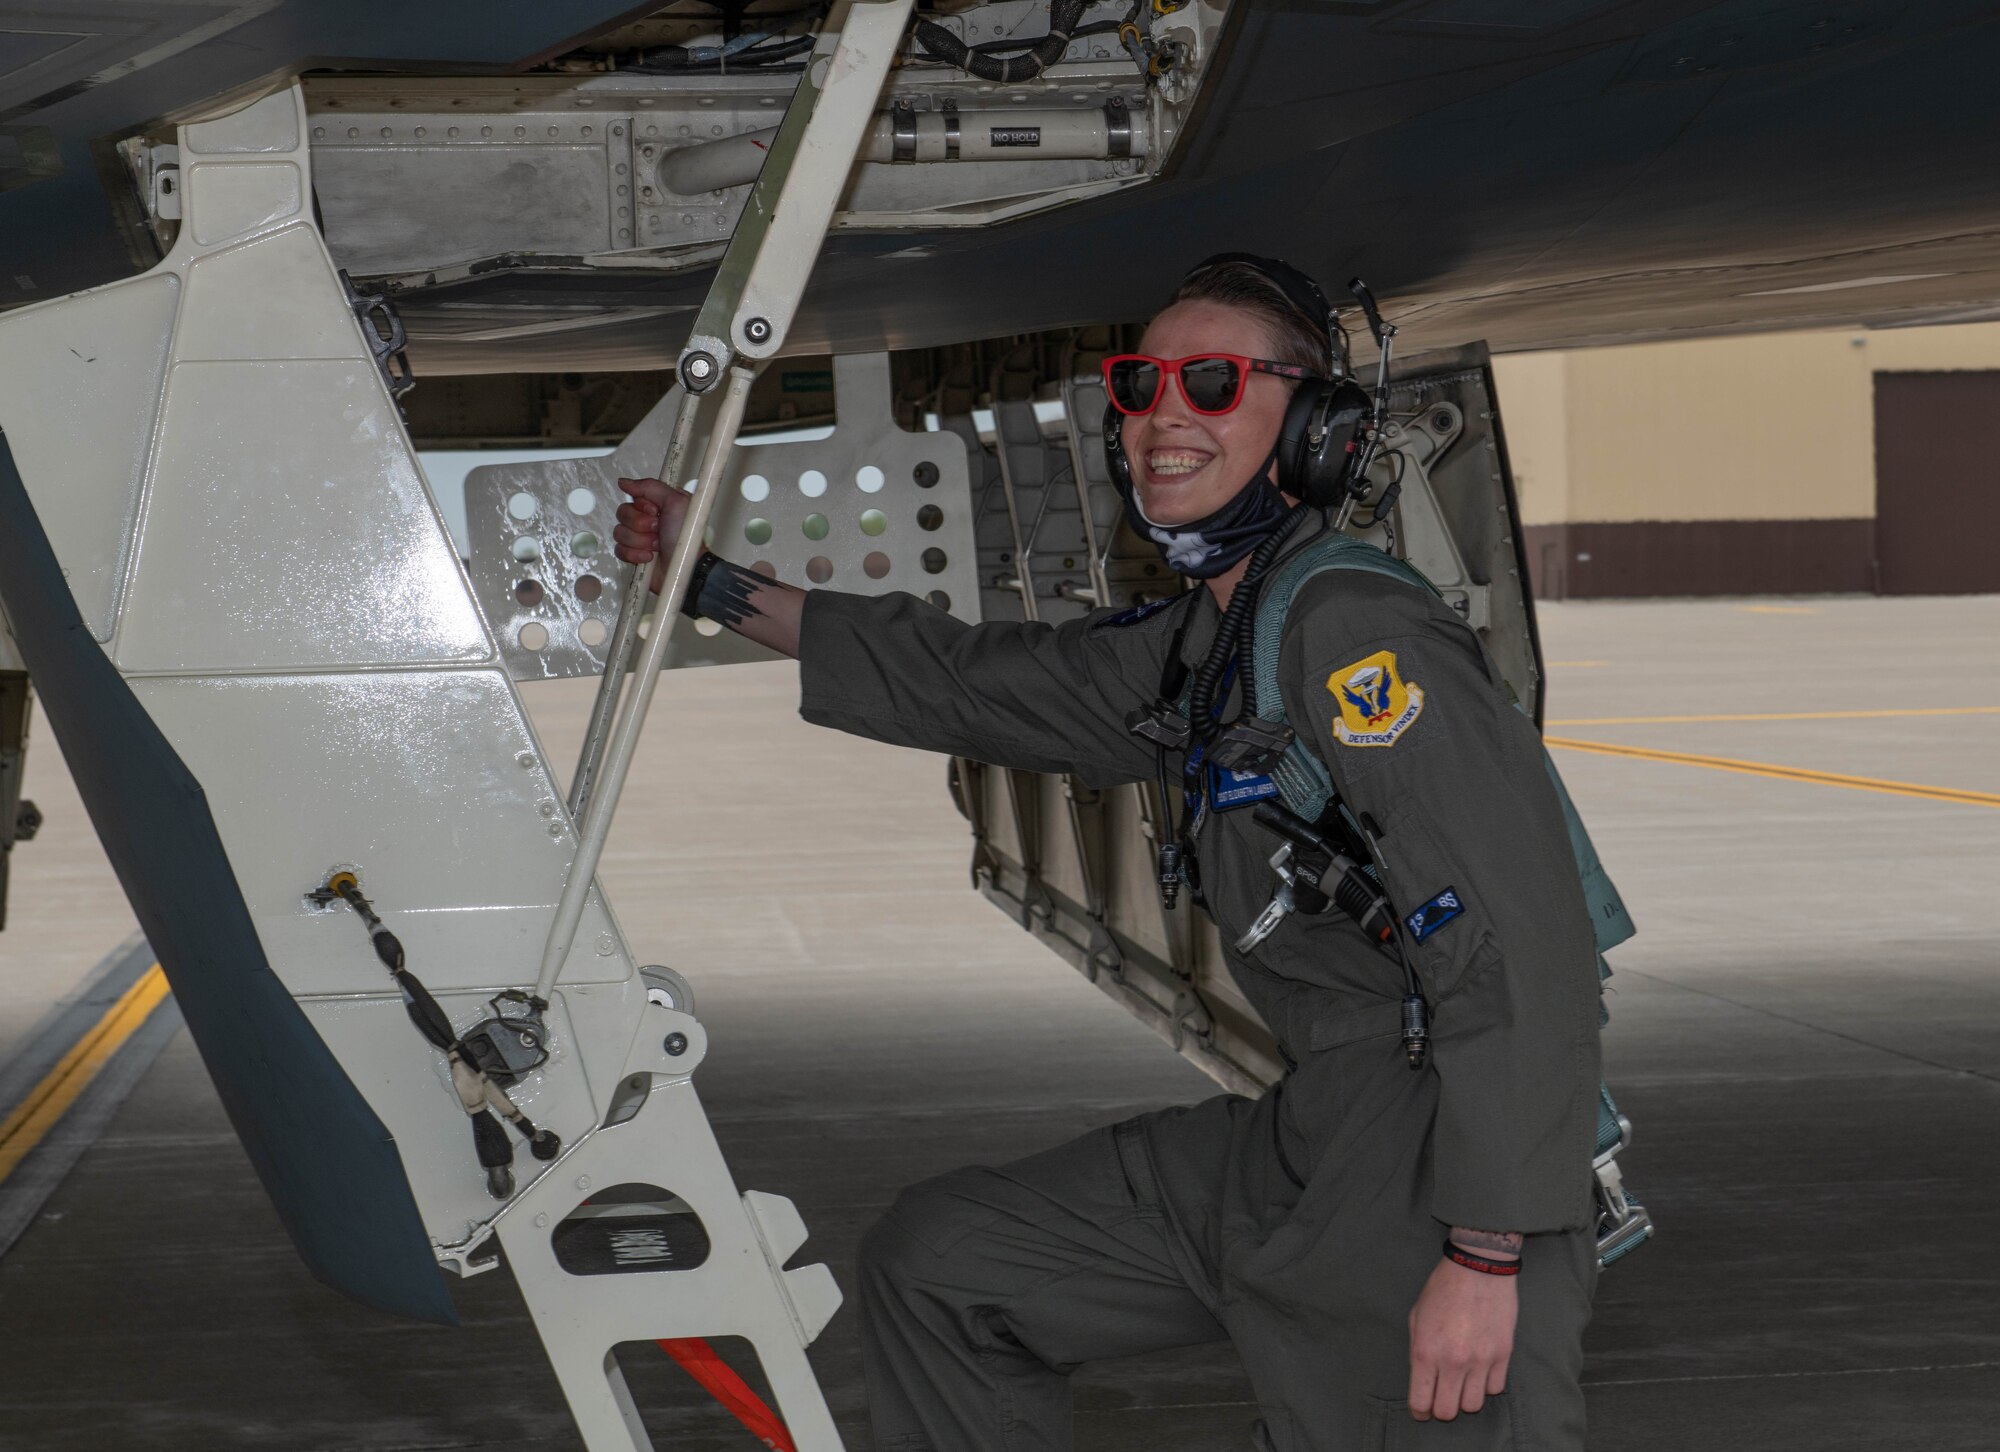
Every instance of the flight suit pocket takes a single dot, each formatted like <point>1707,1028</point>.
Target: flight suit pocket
<point>939,1215</point>
<point>1391,1428</point>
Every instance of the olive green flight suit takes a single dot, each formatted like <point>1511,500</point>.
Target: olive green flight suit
<point>1301,1225</point>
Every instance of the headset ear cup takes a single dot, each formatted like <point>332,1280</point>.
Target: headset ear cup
<point>1333,412</point>
<point>1115,462</point>
<point>1295,471</point>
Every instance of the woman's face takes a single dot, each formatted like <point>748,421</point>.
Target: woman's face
<point>1187,465</point>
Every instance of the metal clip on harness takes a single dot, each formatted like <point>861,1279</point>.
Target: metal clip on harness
<point>1309,859</point>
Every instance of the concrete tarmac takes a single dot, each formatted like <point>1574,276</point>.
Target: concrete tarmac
<point>1806,1033</point>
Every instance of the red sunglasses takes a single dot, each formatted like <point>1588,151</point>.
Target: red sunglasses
<point>1212,383</point>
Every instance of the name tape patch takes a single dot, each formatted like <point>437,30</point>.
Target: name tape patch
<point>1240,789</point>
<point>1376,705</point>
<point>1434,914</point>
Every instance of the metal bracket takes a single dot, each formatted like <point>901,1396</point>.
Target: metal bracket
<point>382,330</point>
<point>1118,127</point>
<point>1087,827</point>
<point>762,276</point>
<point>903,127</point>
<point>1414,441</point>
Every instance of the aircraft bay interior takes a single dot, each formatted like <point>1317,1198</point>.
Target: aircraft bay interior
<point>236,234</point>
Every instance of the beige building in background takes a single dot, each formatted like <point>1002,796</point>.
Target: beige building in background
<point>1791,463</point>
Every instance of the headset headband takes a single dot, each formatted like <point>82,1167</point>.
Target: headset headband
<point>1299,289</point>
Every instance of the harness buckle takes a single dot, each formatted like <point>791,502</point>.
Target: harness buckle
<point>1252,746</point>
<point>1161,725</point>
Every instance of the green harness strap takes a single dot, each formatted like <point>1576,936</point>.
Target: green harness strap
<point>1303,779</point>
<point>1307,786</point>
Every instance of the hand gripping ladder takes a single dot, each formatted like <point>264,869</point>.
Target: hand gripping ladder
<point>742,1288</point>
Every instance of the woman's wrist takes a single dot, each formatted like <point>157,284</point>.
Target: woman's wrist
<point>1484,1264</point>
<point>1491,1244</point>
<point>697,581</point>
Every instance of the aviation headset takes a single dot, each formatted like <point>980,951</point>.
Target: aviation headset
<point>1321,441</point>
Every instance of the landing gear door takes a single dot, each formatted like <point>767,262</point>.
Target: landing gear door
<point>1442,496</point>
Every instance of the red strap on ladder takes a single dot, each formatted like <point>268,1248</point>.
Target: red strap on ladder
<point>699,1360</point>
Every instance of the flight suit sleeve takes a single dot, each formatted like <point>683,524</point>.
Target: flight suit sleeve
<point>1395,694</point>
<point>1030,696</point>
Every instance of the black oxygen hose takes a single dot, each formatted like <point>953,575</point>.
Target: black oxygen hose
<point>1242,606</point>
<point>941,44</point>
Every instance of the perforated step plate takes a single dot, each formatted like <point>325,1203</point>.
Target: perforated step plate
<point>871,508</point>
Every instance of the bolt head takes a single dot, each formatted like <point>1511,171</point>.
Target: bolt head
<point>676,1045</point>
<point>757,330</point>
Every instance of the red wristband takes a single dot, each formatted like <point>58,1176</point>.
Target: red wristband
<point>1458,1255</point>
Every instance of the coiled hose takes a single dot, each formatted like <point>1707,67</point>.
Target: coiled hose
<point>1231,630</point>
<point>941,44</point>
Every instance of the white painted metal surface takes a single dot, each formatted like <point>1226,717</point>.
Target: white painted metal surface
<point>871,509</point>
<point>231,493</point>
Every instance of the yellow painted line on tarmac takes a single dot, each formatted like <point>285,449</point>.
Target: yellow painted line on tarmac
<point>1777,716</point>
<point>31,1120</point>
<point>1784,773</point>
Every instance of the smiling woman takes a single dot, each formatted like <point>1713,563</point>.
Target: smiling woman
<point>1233,436</point>
<point>1189,462</point>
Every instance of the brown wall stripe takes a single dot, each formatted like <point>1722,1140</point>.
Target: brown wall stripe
<point>1702,557</point>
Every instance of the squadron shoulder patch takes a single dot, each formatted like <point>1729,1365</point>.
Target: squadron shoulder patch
<point>1376,704</point>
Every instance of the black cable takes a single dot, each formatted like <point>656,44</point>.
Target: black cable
<point>766,51</point>
<point>489,1140</point>
<point>993,47</point>
<point>1171,853</point>
<point>1242,606</point>
<point>941,44</point>
<point>676,60</point>
<point>1246,650</point>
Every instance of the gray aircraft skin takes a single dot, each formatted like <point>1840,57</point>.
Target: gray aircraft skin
<point>1542,173</point>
